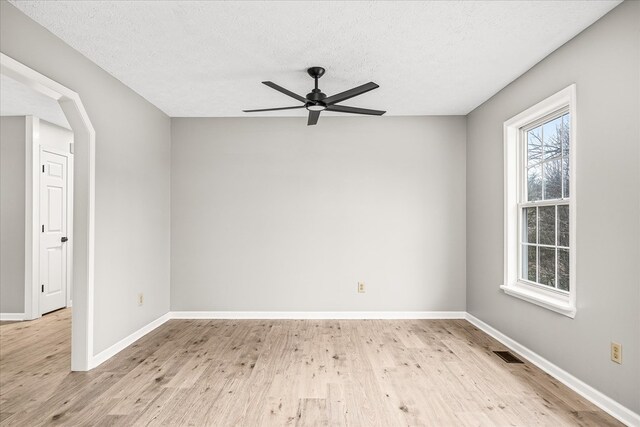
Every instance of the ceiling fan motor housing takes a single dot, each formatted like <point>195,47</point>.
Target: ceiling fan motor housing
<point>316,95</point>
<point>315,98</point>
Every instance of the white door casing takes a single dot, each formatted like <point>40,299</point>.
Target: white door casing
<point>54,186</point>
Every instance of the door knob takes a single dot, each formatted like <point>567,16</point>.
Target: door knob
<point>64,239</point>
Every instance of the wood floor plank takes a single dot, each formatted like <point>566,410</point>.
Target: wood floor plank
<point>282,372</point>
<point>312,412</point>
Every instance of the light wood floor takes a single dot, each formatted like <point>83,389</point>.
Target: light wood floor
<point>265,372</point>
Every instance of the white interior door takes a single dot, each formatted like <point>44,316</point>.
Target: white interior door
<point>53,234</point>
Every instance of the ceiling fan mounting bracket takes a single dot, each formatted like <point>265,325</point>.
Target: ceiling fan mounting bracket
<point>316,72</point>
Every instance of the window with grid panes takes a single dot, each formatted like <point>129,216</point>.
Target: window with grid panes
<point>544,202</point>
<point>539,203</point>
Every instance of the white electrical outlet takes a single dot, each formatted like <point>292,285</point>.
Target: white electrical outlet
<point>140,299</point>
<point>616,352</point>
<point>361,287</point>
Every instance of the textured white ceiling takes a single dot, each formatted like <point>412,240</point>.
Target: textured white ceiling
<point>208,58</point>
<point>17,99</point>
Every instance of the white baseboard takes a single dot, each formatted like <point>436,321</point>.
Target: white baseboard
<point>127,341</point>
<point>318,315</point>
<point>599,399</point>
<point>11,317</point>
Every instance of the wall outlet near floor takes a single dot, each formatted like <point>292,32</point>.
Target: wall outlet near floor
<point>616,352</point>
<point>140,299</point>
<point>361,287</point>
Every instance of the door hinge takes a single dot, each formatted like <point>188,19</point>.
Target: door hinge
<point>43,228</point>
<point>42,168</point>
<point>42,288</point>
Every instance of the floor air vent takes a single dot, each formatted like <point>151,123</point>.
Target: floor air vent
<point>508,357</point>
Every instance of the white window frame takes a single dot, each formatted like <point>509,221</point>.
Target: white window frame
<point>514,146</point>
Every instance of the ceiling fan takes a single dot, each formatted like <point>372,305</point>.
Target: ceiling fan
<point>316,101</point>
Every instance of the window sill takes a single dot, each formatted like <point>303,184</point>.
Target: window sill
<point>548,299</point>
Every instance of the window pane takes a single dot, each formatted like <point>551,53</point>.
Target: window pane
<point>563,225</point>
<point>547,266</point>
<point>545,230</point>
<point>534,183</point>
<point>547,224</point>
<point>552,135</point>
<point>529,263</point>
<point>553,179</point>
<point>566,127</point>
<point>563,269</point>
<point>565,177</point>
<point>534,146</point>
<point>529,225</point>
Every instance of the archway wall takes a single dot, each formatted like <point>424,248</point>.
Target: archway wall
<point>132,181</point>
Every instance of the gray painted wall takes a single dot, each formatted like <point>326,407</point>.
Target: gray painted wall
<point>12,192</point>
<point>604,62</point>
<point>269,214</point>
<point>132,179</point>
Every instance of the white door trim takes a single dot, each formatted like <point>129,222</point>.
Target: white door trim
<point>32,216</point>
<point>83,209</point>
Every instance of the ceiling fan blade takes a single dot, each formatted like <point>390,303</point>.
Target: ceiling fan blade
<point>355,110</point>
<point>287,92</point>
<point>350,93</point>
<point>313,117</point>
<point>272,109</point>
